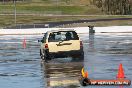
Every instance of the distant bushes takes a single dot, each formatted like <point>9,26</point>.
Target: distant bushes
<point>114,7</point>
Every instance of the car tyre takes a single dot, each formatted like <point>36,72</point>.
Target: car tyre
<point>81,57</point>
<point>43,57</point>
<point>46,56</point>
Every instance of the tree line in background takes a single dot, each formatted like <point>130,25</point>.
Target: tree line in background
<point>9,0</point>
<point>114,7</point>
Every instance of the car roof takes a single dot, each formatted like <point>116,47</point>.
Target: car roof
<point>60,30</point>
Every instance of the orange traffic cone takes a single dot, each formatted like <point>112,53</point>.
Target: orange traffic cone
<point>24,43</point>
<point>120,72</point>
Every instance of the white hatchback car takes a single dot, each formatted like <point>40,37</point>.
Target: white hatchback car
<point>57,43</point>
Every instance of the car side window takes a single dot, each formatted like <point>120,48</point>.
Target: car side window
<point>44,38</point>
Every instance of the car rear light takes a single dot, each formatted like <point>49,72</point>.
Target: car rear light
<point>81,44</point>
<point>46,46</point>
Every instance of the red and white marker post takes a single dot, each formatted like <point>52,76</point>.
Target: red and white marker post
<point>24,43</point>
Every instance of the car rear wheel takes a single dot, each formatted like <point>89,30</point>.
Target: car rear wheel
<point>43,57</point>
<point>46,56</point>
<point>81,56</point>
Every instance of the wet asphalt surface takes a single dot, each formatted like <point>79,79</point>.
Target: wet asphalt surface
<point>23,68</point>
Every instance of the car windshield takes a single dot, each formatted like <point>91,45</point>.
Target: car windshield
<point>62,36</point>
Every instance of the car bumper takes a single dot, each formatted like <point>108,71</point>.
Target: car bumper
<point>66,53</point>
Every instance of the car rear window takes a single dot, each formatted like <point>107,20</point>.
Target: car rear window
<point>63,36</point>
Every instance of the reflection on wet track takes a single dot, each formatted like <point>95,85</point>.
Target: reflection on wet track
<point>61,74</point>
<point>21,67</point>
